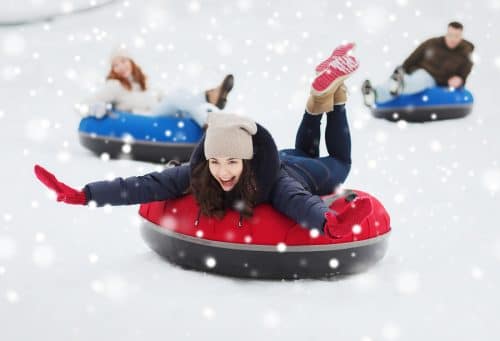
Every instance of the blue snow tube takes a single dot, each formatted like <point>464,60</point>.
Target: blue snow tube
<point>145,138</point>
<point>436,103</point>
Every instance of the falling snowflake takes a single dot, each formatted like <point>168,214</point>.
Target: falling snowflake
<point>314,233</point>
<point>477,273</point>
<point>408,282</point>
<point>170,222</point>
<point>93,258</point>
<point>210,262</point>
<point>13,44</point>
<point>334,263</point>
<point>390,331</point>
<point>491,180</point>
<point>281,247</point>
<point>113,287</point>
<point>356,229</point>
<point>208,313</point>
<point>43,256</point>
<point>40,237</point>
<point>105,157</point>
<point>37,129</point>
<point>126,148</point>
<point>12,296</point>
<point>7,247</point>
<point>271,319</point>
<point>436,146</point>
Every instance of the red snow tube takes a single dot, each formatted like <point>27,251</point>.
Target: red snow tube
<point>268,245</point>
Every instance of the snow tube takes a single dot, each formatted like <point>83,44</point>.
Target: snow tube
<point>266,246</point>
<point>144,138</point>
<point>436,103</point>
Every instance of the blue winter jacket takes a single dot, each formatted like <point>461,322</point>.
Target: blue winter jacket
<point>276,184</point>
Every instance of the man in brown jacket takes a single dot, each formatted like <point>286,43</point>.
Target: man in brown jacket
<point>443,61</point>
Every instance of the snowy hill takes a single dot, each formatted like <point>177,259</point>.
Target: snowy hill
<point>73,273</point>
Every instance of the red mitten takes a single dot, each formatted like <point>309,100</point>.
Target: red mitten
<point>341,224</point>
<point>333,228</point>
<point>64,193</point>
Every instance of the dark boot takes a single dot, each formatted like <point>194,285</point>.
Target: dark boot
<point>397,83</point>
<point>218,96</point>
<point>369,96</point>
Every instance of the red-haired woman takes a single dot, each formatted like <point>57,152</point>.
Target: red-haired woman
<point>126,89</point>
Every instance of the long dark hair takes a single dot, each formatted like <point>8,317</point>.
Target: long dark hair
<point>212,199</point>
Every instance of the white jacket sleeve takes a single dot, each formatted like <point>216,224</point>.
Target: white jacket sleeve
<point>111,92</point>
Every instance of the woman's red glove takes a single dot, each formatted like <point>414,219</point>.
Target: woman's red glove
<point>341,224</point>
<point>64,193</point>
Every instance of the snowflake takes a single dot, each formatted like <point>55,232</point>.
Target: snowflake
<point>356,229</point>
<point>314,233</point>
<point>126,148</point>
<point>93,258</point>
<point>105,157</point>
<point>14,44</point>
<point>210,262</point>
<point>12,296</point>
<point>208,313</point>
<point>43,256</point>
<point>281,247</point>
<point>271,319</point>
<point>408,282</point>
<point>334,263</point>
<point>390,331</point>
<point>477,273</point>
<point>40,237</point>
<point>7,247</point>
<point>491,180</point>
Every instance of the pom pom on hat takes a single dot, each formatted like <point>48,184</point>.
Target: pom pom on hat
<point>229,135</point>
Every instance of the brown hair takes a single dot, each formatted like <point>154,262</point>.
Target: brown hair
<point>212,199</point>
<point>137,75</point>
<point>456,25</point>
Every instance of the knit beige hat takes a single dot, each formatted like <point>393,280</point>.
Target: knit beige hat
<point>229,135</point>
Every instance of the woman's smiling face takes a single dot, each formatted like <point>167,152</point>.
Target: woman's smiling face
<point>122,66</point>
<point>226,171</point>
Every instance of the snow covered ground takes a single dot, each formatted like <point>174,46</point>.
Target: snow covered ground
<point>73,273</point>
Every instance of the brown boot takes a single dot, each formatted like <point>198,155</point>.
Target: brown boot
<point>340,96</point>
<point>317,105</point>
<point>218,95</point>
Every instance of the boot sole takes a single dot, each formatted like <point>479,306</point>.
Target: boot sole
<point>325,63</point>
<point>334,85</point>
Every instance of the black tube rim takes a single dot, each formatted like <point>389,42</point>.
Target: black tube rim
<point>263,247</point>
<point>135,142</point>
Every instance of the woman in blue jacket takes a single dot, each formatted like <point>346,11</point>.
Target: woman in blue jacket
<point>237,165</point>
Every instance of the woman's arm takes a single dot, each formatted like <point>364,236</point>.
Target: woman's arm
<point>168,184</point>
<point>96,104</point>
<point>290,198</point>
<point>108,93</point>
